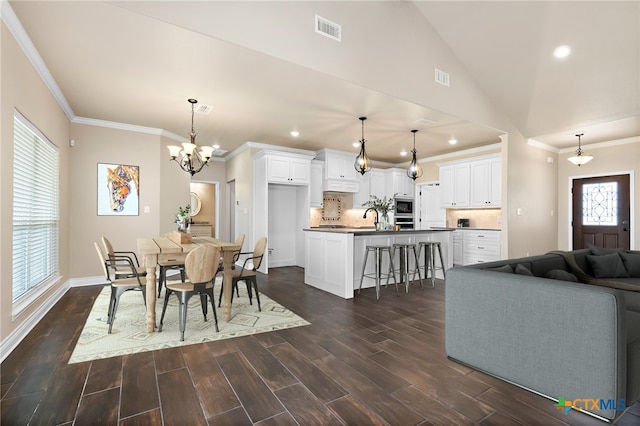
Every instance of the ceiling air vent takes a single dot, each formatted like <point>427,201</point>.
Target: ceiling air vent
<point>204,109</point>
<point>442,77</point>
<point>328,28</point>
<point>219,152</point>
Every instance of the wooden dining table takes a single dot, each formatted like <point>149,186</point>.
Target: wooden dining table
<point>165,249</point>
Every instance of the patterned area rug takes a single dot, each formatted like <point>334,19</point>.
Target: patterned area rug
<point>129,328</point>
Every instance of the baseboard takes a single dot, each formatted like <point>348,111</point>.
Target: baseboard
<point>87,281</point>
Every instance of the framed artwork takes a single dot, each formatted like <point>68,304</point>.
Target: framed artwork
<point>118,186</point>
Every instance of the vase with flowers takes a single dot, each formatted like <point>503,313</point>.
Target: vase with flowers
<point>183,218</point>
<point>383,206</point>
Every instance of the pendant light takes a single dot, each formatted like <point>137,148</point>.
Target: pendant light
<point>414,171</point>
<point>189,159</point>
<point>362,163</point>
<point>579,159</point>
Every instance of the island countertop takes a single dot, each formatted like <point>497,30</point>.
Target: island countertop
<point>372,231</point>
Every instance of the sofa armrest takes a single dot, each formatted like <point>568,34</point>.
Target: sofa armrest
<point>557,338</point>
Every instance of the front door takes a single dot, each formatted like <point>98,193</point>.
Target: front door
<point>601,212</point>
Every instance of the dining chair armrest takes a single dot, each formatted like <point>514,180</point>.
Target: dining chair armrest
<point>124,263</point>
<point>128,254</point>
<point>244,264</point>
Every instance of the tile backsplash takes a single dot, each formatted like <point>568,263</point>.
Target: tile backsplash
<point>337,211</point>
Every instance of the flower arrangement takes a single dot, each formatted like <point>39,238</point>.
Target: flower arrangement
<point>182,217</point>
<point>382,205</point>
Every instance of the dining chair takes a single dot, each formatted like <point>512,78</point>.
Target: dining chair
<point>236,255</point>
<point>166,265</point>
<point>119,285</point>
<point>123,270</point>
<point>201,265</point>
<point>248,271</point>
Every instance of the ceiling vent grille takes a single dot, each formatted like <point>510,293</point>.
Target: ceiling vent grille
<point>328,28</point>
<point>442,77</point>
<point>219,152</point>
<point>204,109</point>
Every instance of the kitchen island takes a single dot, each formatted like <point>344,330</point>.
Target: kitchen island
<point>334,256</point>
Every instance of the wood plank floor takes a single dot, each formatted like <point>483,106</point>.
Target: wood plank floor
<point>360,362</point>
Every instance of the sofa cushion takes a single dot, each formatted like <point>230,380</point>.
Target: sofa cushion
<point>608,266</point>
<point>522,270</point>
<point>503,268</point>
<point>633,355</point>
<point>601,251</point>
<point>631,263</point>
<point>559,274</point>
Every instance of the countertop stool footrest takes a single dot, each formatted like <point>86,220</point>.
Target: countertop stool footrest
<point>378,252</point>
<point>429,265</point>
<point>405,251</point>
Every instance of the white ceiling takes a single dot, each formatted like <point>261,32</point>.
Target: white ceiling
<point>118,62</point>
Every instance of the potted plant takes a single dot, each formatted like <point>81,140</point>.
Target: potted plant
<point>383,206</point>
<point>182,217</point>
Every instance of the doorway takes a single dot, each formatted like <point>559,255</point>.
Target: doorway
<point>204,204</point>
<point>601,211</point>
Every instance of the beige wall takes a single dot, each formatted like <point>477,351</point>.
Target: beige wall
<point>616,159</point>
<point>95,145</point>
<point>23,89</point>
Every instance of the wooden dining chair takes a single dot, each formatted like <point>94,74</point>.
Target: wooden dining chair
<point>125,270</point>
<point>248,272</point>
<point>131,281</point>
<point>201,265</point>
<point>166,265</point>
<point>236,255</point>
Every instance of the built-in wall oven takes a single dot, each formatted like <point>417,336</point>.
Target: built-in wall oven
<point>403,213</point>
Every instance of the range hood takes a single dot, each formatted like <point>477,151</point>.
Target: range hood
<point>339,185</point>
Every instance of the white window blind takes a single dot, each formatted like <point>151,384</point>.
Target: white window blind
<point>35,208</point>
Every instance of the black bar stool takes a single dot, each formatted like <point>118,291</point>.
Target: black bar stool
<point>429,259</point>
<point>377,252</point>
<point>404,250</point>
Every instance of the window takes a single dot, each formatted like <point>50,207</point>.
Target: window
<point>35,212</point>
<point>600,204</point>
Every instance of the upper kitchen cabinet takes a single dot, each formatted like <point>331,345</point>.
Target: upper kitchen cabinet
<point>339,173</point>
<point>472,183</point>
<point>399,184</point>
<point>287,168</point>
<point>377,183</point>
<point>486,182</point>
<point>315,194</point>
<point>454,185</point>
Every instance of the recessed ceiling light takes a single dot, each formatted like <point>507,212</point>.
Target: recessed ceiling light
<point>403,152</point>
<point>453,141</point>
<point>356,144</point>
<point>562,51</point>
<point>295,133</point>
<point>216,146</point>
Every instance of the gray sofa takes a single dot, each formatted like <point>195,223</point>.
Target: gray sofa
<point>554,336</point>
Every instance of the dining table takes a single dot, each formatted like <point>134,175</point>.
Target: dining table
<point>157,249</point>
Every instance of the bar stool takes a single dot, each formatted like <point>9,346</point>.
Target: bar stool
<point>404,250</point>
<point>377,252</point>
<point>429,259</point>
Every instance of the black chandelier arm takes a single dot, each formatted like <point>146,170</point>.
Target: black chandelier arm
<point>186,161</point>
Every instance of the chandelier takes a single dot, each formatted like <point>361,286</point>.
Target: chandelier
<point>361,164</point>
<point>188,157</point>
<point>580,158</point>
<point>414,171</point>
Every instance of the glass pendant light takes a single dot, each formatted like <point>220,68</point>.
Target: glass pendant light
<point>362,163</point>
<point>414,171</point>
<point>580,158</point>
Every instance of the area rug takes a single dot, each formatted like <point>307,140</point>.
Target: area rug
<point>129,328</point>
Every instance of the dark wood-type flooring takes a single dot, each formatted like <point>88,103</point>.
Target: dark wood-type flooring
<point>360,362</point>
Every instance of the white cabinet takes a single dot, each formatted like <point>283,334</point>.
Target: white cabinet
<point>457,247</point>
<point>399,184</point>
<point>480,246</point>
<point>339,174</point>
<point>486,182</point>
<point>377,183</point>
<point>362,195</point>
<point>454,185</point>
<point>288,169</point>
<point>315,195</point>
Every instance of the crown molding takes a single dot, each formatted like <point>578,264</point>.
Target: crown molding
<point>121,126</point>
<point>464,152</point>
<point>22,38</point>
<point>540,145</point>
<point>617,142</point>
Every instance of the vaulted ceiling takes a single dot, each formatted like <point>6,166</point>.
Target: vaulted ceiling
<point>137,63</point>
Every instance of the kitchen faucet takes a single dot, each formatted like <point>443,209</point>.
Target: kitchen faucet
<point>364,216</point>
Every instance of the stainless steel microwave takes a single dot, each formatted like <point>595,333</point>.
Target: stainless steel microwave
<point>404,207</point>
